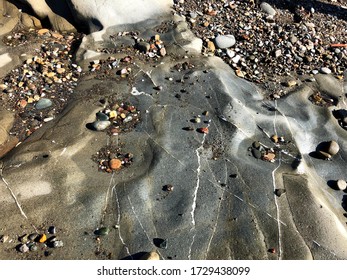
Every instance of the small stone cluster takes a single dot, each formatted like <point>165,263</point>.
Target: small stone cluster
<point>152,48</point>
<point>260,151</point>
<point>36,242</point>
<point>111,159</point>
<point>39,89</point>
<point>116,118</point>
<point>198,120</point>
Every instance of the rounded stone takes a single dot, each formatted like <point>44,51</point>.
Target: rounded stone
<point>43,103</point>
<point>101,116</point>
<point>115,163</point>
<point>100,125</point>
<point>325,70</point>
<point>333,148</point>
<point>256,153</point>
<point>58,244</point>
<point>23,248</point>
<point>224,41</point>
<point>33,236</point>
<point>341,184</point>
<point>143,47</point>
<point>32,247</point>
<point>256,144</point>
<point>267,8</point>
<point>102,231</point>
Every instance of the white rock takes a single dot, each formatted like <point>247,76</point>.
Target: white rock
<point>236,59</point>
<point>267,8</point>
<point>224,41</point>
<point>341,184</point>
<point>230,53</point>
<point>325,70</point>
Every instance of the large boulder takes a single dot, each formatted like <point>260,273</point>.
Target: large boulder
<point>90,16</point>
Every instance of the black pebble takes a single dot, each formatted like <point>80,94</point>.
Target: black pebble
<point>160,243</point>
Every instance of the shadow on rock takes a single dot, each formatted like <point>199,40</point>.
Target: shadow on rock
<point>317,155</point>
<point>136,256</point>
<point>344,202</point>
<point>333,184</point>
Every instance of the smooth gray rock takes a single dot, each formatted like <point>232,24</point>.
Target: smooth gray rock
<point>224,41</point>
<point>267,8</point>
<point>43,103</point>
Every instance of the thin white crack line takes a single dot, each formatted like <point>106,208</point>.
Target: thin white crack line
<point>198,171</point>
<point>13,195</point>
<point>277,209</point>
<point>218,212</point>
<point>141,225</point>
<point>107,196</point>
<point>118,222</point>
<point>183,164</point>
<point>275,118</point>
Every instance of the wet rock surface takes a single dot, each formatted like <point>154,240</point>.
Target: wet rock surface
<point>201,165</point>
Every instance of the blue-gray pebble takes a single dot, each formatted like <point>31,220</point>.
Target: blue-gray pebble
<point>43,103</point>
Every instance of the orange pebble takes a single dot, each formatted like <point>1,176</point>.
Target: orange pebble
<point>115,163</point>
<point>43,238</point>
<point>203,130</point>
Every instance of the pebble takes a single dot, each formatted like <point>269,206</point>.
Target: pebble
<point>341,184</point>
<point>197,120</point>
<point>279,192</point>
<point>256,153</point>
<point>32,236</point>
<point>43,238</point>
<point>153,256</point>
<point>23,248</point>
<point>52,230</point>
<point>32,247</point>
<point>333,148</point>
<point>203,130</point>
<point>161,243</point>
<point>24,238</point>
<point>43,103</point>
<point>115,164</point>
<point>101,116</point>
<point>4,238</point>
<point>291,83</point>
<point>162,51</point>
<point>143,47</point>
<point>102,231</point>
<point>100,125</point>
<point>224,41</point>
<point>256,144</point>
<point>267,8</point>
<point>325,70</point>
<point>58,244</point>
<point>230,53</point>
<point>211,47</point>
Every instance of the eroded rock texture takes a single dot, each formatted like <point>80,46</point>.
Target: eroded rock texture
<point>196,188</point>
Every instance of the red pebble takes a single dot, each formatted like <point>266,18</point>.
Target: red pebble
<point>203,130</point>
